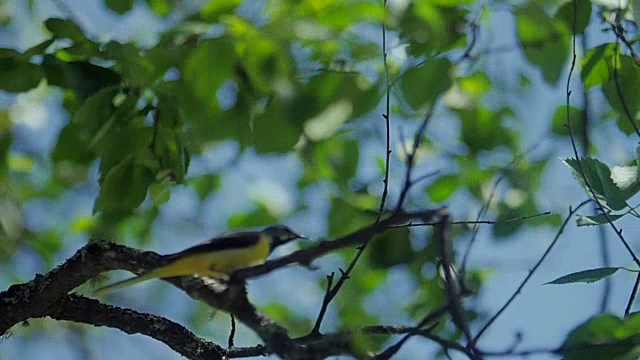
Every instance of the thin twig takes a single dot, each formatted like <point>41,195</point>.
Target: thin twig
<point>411,157</point>
<point>322,248</point>
<point>606,262</point>
<point>586,118</point>
<point>428,320</point>
<point>389,352</point>
<point>472,44</point>
<point>531,272</point>
<point>452,283</point>
<point>632,297</point>
<point>474,222</point>
<point>619,32</point>
<point>485,207</point>
<point>387,119</point>
<point>325,304</point>
<point>575,149</point>
<point>232,334</point>
<point>602,235</point>
<point>424,177</point>
<point>333,291</point>
<point>616,81</point>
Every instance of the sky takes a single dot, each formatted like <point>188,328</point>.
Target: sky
<point>544,313</point>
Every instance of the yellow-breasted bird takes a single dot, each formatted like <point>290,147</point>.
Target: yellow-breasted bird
<point>217,257</point>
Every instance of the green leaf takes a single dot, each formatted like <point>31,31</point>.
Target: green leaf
<point>341,15</point>
<point>275,130</point>
<point>430,29</point>
<point>215,8</point>
<point>559,122</point>
<point>598,175</point>
<point>475,85</point>
<point>544,40</point>
<point>483,129</point>
<point>598,219</point>
<point>120,6</point>
<point>207,68</point>
<point>124,187</point>
<point>160,192</point>
<point>390,249</point>
<point>625,125</point>
<point>5,143</point>
<point>122,143</point>
<point>604,337</point>
<point>423,84</point>
<point>262,63</point>
<point>72,147</point>
<point>47,244</point>
<point>353,93</point>
<point>622,90</point>
<point>296,324</point>
<point>582,9</point>
<point>94,113</point>
<point>363,344</point>
<point>62,28</point>
<point>586,276</point>
<point>135,69</point>
<point>19,75</point>
<point>161,7</point>
<point>258,217</point>
<point>38,49</point>
<point>443,187</point>
<point>205,185</point>
<point>81,76</point>
<point>170,151</point>
<point>335,159</point>
<point>345,218</point>
<point>597,65</point>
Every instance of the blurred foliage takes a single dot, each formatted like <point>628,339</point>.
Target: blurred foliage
<point>604,337</point>
<point>307,79</point>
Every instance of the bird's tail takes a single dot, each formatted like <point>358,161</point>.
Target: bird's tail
<point>155,273</point>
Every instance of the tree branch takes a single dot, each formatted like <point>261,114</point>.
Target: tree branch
<point>307,255</point>
<point>572,211</point>
<point>80,309</point>
<point>41,296</point>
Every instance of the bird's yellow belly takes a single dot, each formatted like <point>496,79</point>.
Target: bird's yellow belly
<point>218,263</point>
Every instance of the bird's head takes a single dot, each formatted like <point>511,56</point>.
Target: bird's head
<point>280,234</point>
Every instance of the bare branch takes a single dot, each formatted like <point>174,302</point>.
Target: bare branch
<point>429,321</point>
<point>417,140</point>
<point>575,149</point>
<point>632,297</point>
<point>474,222</point>
<point>307,255</point>
<point>531,272</point>
<point>452,284</point>
<point>485,207</point>
<point>232,334</point>
<point>80,309</point>
<point>325,304</point>
<point>619,32</point>
<point>616,79</point>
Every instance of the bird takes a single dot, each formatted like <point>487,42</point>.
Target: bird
<point>216,257</point>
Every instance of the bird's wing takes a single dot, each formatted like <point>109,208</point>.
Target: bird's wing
<point>236,240</point>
